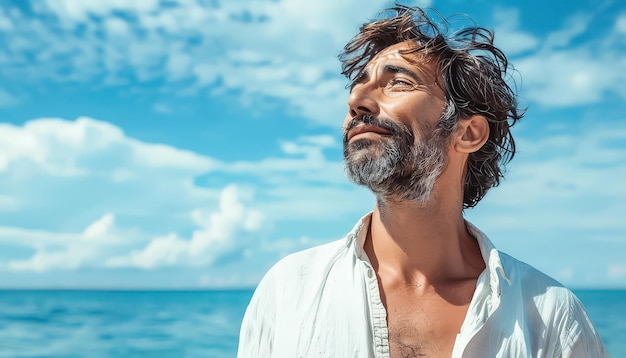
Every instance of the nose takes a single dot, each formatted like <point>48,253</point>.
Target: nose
<point>362,100</point>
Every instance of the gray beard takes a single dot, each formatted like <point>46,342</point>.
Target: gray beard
<point>395,166</point>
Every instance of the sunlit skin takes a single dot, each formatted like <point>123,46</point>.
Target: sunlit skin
<point>426,261</point>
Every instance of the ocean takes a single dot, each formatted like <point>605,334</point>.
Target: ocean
<point>74,323</point>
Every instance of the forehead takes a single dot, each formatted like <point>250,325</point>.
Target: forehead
<point>398,53</point>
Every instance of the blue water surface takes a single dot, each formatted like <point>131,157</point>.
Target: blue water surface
<point>50,323</point>
<point>121,323</point>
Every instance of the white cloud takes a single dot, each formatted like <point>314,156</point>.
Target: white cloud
<point>241,46</point>
<point>102,244</point>
<point>565,274</point>
<point>563,69</point>
<point>219,233</point>
<point>195,42</point>
<point>316,204</point>
<point>7,99</point>
<point>161,251</point>
<point>565,72</point>
<point>162,108</point>
<point>571,77</point>
<point>305,162</point>
<point>558,72</point>
<point>325,141</point>
<point>562,203</point>
<point>573,27</point>
<point>179,65</point>
<point>61,174</point>
<point>8,203</point>
<point>310,146</point>
<point>561,206</point>
<point>620,24</point>
<point>79,11</point>
<point>6,24</point>
<point>509,37</point>
<point>62,250</point>
<point>159,216</point>
<point>573,171</point>
<point>117,27</point>
<point>616,271</point>
<point>100,227</point>
<point>74,148</point>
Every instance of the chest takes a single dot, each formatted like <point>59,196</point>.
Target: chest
<point>423,326</point>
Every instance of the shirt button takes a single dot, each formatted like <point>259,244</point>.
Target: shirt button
<point>370,273</point>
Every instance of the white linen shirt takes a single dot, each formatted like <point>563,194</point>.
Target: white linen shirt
<point>325,302</point>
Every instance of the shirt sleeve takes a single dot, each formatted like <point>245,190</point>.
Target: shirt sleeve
<point>582,339</point>
<point>256,337</point>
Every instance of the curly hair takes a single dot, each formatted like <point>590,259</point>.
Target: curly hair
<point>472,73</point>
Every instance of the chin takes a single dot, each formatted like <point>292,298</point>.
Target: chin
<point>364,144</point>
<point>364,150</point>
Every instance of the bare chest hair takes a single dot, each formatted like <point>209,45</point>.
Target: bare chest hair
<point>423,326</point>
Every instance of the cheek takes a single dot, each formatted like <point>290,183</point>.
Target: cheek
<point>420,116</point>
<point>433,109</point>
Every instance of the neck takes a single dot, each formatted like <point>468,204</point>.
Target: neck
<point>422,243</point>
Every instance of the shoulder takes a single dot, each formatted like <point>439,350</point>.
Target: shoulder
<point>313,256</point>
<point>527,282</point>
<point>275,301</point>
<point>306,265</point>
<point>301,266</point>
<point>526,276</point>
<point>549,304</point>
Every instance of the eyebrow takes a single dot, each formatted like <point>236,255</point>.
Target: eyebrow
<point>364,74</point>
<point>401,70</point>
<point>361,77</point>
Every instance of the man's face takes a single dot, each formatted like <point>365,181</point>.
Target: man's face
<point>390,142</point>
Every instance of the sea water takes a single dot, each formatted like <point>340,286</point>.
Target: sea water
<point>50,323</point>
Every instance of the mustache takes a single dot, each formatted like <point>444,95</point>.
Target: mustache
<point>396,130</point>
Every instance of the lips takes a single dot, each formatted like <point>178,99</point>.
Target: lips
<point>366,128</point>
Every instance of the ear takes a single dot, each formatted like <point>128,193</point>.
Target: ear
<point>471,134</point>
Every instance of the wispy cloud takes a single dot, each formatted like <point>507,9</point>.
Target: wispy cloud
<point>562,196</point>
<point>190,46</point>
<point>74,148</point>
<point>571,170</point>
<point>509,37</point>
<point>620,24</point>
<point>564,68</point>
<point>7,99</point>
<point>102,244</point>
<point>61,250</point>
<point>219,233</point>
<point>572,77</point>
<point>617,271</point>
<point>78,194</point>
<point>155,210</point>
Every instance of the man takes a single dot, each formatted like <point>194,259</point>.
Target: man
<point>426,130</point>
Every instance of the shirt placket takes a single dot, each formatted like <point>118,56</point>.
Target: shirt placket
<point>378,314</point>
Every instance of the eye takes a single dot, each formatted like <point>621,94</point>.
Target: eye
<point>401,83</point>
<point>360,78</point>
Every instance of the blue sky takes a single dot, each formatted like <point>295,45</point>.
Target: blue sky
<point>191,144</point>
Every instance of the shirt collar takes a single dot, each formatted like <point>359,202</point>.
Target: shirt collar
<point>357,236</point>
<point>490,254</point>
